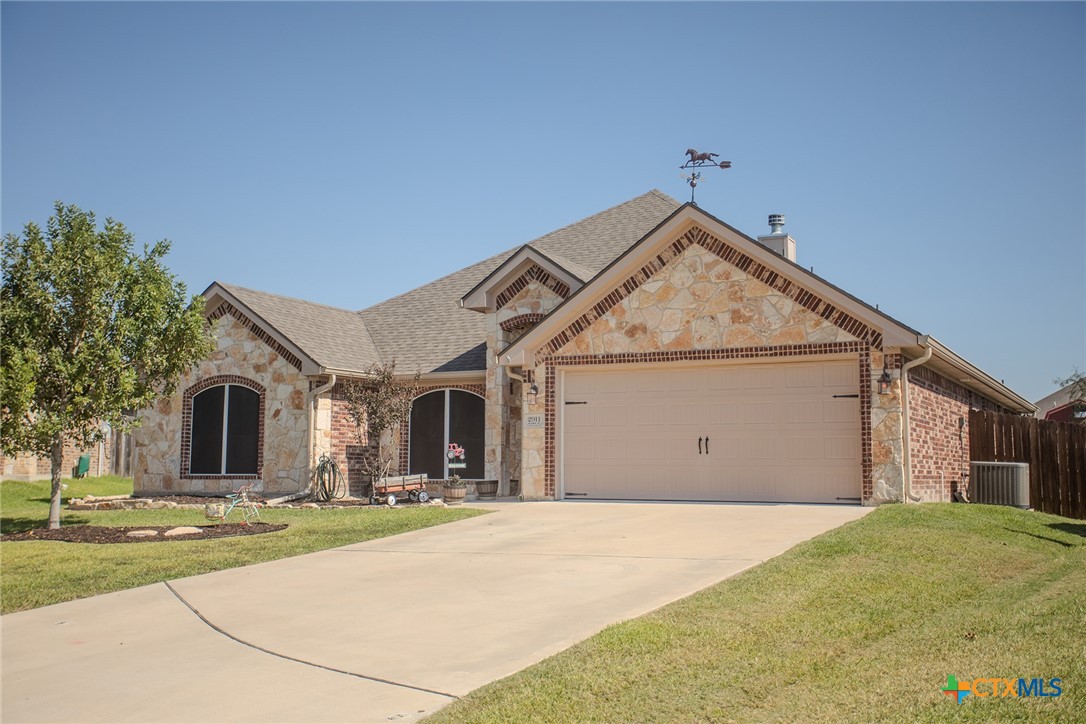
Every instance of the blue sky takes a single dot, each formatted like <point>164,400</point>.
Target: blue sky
<point>930,157</point>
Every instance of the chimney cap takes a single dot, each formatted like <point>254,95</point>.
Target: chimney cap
<point>776,223</point>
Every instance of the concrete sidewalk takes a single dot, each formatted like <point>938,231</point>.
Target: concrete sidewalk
<point>386,630</point>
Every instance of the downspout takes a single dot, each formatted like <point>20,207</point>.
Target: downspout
<point>906,458</point>
<point>311,417</point>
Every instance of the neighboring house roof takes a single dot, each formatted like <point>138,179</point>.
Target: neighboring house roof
<point>1058,399</point>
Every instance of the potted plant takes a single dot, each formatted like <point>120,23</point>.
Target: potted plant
<point>453,489</point>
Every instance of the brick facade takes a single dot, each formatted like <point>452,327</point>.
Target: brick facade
<point>352,447</point>
<point>26,466</point>
<point>939,433</point>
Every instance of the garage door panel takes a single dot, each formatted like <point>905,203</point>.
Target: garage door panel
<point>612,416</point>
<point>643,415</point>
<point>845,410</point>
<point>842,448</point>
<point>775,433</point>
<point>685,414</point>
<point>579,416</point>
<point>804,376</point>
<point>841,374</point>
<point>757,413</point>
<point>722,413</point>
<point>681,381</point>
<point>804,412</point>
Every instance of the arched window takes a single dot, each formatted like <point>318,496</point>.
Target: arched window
<point>225,435</point>
<point>439,418</point>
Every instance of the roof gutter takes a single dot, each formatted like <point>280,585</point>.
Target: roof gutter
<point>975,377</point>
<point>906,457</point>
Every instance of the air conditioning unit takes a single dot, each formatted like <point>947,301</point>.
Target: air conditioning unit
<point>999,484</point>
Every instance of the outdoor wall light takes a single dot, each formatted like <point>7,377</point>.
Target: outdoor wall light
<point>885,381</point>
<point>533,390</point>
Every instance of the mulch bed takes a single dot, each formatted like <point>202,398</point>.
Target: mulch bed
<point>107,534</point>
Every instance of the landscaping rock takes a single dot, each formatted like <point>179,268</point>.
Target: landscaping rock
<point>183,530</point>
<point>308,505</point>
<point>142,533</point>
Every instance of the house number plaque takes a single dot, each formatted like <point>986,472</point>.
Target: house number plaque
<point>533,421</point>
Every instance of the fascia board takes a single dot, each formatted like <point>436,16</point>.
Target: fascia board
<point>969,375</point>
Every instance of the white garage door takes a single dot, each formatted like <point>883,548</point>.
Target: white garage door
<point>785,432</point>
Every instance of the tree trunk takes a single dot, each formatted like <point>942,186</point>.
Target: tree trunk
<point>54,498</point>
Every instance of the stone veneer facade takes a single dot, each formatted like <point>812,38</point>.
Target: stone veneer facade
<point>524,302</point>
<point>241,356</point>
<point>700,299</point>
<point>703,299</point>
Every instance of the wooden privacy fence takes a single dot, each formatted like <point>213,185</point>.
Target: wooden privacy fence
<point>1055,451</point>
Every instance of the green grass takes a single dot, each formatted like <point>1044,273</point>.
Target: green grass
<point>39,573</point>
<point>863,623</point>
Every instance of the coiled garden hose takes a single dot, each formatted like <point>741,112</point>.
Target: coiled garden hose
<point>328,481</point>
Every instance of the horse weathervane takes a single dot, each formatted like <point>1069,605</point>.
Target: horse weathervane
<point>698,160</point>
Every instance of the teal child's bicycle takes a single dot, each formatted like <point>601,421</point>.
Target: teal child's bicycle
<point>239,499</point>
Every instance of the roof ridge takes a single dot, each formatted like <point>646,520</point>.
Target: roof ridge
<point>651,192</point>
<point>435,281</point>
<point>230,287</point>
<point>366,327</point>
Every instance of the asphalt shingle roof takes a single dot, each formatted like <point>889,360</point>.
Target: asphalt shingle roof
<point>425,329</point>
<point>334,338</point>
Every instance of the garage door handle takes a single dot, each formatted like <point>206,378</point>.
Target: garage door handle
<point>699,446</point>
<point>706,444</point>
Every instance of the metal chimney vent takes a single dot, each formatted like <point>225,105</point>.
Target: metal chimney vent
<point>776,222</point>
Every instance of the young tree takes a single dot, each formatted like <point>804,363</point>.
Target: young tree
<point>380,404</point>
<point>89,329</point>
<point>1077,382</point>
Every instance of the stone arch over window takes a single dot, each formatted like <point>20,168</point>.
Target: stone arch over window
<point>442,416</point>
<point>222,434</point>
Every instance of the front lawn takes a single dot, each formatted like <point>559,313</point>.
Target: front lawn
<point>863,623</point>
<point>39,573</point>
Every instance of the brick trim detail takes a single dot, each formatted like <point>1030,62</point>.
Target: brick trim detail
<point>861,349</point>
<point>533,273</point>
<point>186,426</point>
<point>405,430</point>
<point>258,331</point>
<point>804,297</point>
<point>522,321</point>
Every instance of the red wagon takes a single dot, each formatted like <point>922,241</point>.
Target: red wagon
<point>392,490</point>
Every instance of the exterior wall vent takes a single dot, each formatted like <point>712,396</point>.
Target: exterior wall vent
<point>999,484</point>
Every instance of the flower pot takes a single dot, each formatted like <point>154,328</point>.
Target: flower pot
<point>453,495</point>
<point>487,488</point>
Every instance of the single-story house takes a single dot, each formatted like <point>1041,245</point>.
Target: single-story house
<point>650,351</point>
<point>1063,405</point>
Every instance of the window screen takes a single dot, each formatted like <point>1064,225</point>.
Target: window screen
<point>240,437</point>
<point>466,416</point>
<point>206,453</point>
<point>428,435</point>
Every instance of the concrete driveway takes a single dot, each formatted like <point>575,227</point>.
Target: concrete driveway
<point>391,629</point>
